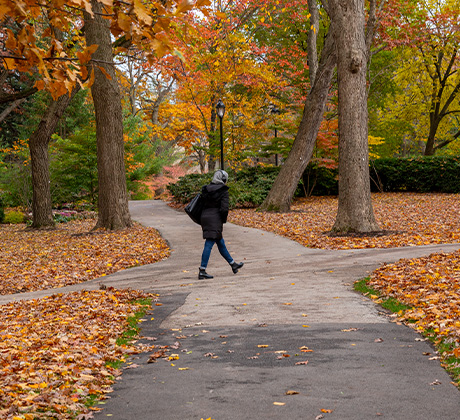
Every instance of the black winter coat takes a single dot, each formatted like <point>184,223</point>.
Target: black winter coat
<point>215,210</point>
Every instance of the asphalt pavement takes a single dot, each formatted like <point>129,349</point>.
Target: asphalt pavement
<point>285,338</point>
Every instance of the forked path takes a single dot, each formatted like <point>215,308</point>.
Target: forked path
<point>288,321</point>
<point>240,337</point>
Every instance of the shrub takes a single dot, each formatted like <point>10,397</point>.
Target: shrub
<point>14,217</point>
<point>248,187</point>
<point>64,216</point>
<point>2,211</point>
<point>188,186</point>
<point>419,174</point>
<point>318,180</point>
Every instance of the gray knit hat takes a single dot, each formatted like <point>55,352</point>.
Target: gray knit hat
<point>220,177</point>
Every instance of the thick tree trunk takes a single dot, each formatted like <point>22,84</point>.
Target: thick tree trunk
<point>282,192</point>
<point>38,145</point>
<point>355,212</point>
<point>113,195</point>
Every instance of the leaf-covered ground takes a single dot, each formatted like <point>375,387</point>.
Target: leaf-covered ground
<point>408,219</point>
<point>35,260</point>
<point>431,287</point>
<point>53,352</point>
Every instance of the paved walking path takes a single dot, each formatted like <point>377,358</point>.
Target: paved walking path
<point>233,334</point>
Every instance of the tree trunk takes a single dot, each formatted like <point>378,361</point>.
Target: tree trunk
<point>113,195</point>
<point>312,52</point>
<point>355,212</point>
<point>429,148</point>
<point>38,145</point>
<point>282,192</point>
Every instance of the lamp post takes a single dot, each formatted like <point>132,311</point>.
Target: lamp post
<point>220,108</point>
<point>275,111</point>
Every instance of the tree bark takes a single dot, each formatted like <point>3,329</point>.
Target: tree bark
<point>312,52</point>
<point>355,212</point>
<point>10,108</point>
<point>113,196</point>
<point>282,192</point>
<point>38,145</point>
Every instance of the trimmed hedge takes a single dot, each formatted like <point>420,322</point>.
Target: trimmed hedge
<point>250,186</point>
<point>418,174</point>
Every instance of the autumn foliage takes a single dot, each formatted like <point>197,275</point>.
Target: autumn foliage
<point>46,36</point>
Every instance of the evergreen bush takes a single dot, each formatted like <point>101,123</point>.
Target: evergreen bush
<point>250,186</point>
<point>417,174</point>
<point>2,210</point>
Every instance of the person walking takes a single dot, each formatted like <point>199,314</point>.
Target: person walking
<point>214,215</point>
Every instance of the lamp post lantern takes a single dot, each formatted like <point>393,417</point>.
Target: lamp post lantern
<point>275,111</point>
<point>220,108</point>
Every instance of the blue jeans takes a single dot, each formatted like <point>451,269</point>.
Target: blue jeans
<point>207,252</point>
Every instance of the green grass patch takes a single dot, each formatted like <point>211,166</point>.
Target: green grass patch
<point>133,322</point>
<point>389,303</point>
<point>445,348</point>
<point>129,335</point>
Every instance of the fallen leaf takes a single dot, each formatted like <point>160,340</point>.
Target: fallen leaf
<point>291,392</point>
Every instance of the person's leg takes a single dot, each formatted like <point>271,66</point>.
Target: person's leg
<point>224,251</point>
<point>209,243</point>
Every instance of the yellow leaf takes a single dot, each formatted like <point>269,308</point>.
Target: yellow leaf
<point>142,12</point>
<point>104,72</point>
<point>279,403</point>
<point>291,392</point>
<point>184,6</point>
<point>124,22</point>
<point>202,3</point>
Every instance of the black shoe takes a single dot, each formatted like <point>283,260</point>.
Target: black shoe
<point>203,275</point>
<point>236,266</point>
